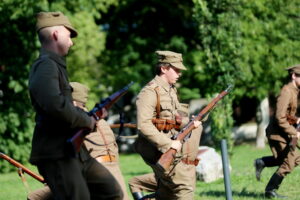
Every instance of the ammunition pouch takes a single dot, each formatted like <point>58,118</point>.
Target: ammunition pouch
<point>166,124</point>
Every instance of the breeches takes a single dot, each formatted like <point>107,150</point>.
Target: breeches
<point>178,183</point>
<point>286,158</point>
<point>69,178</point>
<point>143,183</point>
<point>114,169</point>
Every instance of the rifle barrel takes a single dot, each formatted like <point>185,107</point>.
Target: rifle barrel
<point>20,166</point>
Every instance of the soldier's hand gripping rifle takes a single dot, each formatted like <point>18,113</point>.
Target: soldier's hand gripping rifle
<point>22,168</point>
<point>293,121</point>
<point>96,112</point>
<point>166,159</point>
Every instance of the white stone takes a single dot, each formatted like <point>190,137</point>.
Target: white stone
<point>210,166</point>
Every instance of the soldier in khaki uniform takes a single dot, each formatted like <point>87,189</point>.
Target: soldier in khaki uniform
<point>158,118</point>
<point>101,145</point>
<point>147,182</point>
<point>279,133</point>
<point>106,151</point>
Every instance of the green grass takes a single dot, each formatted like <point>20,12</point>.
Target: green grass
<point>243,183</point>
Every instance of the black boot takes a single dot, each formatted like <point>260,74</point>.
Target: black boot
<point>137,195</point>
<point>259,166</point>
<point>272,186</point>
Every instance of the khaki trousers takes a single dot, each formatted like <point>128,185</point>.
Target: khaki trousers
<point>178,183</point>
<point>114,169</point>
<point>286,158</point>
<point>143,183</point>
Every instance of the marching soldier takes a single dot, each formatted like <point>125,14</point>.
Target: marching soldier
<point>57,119</point>
<point>279,133</point>
<point>158,119</point>
<point>100,144</point>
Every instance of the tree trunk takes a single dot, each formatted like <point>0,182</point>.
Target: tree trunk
<point>262,122</point>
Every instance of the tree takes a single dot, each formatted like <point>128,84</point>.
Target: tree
<point>249,43</point>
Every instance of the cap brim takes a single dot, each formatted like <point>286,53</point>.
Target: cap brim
<point>72,30</point>
<point>179,66</point>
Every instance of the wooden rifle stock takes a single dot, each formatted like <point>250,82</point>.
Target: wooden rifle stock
<point>293,121</point>
<point>167,158</point>
<point>126,125</point>
<point>76,141</point>
<point>22,167</point>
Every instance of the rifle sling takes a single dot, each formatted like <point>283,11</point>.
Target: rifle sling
<point>157,102</point>
<point>25,183</point>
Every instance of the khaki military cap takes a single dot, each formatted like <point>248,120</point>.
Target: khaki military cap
<point>48,19</point>
<point>294,69</point>
<point>175,59</point>
<point>80,92</point>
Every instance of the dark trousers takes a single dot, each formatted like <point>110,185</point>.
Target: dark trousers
<point>69,178</point>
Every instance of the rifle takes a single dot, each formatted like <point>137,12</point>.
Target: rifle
<point>22,168</point>
<point>167,158</point>
<point>293,121</point>
<point>76,141</point>
<point>127,125</point>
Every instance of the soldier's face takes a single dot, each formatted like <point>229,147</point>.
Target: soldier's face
<point>171,74</point>
<point>296,79</point>
<point>64,41</point>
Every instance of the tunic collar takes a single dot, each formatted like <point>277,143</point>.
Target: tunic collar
<point>165,85</point>
<point>61,60</point>
<point>293,87</point>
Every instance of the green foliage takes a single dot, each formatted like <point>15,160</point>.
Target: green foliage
<point>222,123</point>
<point>135,30</point>
<point>247,43</point>
<point>17,50</point>
<point>218,33</point>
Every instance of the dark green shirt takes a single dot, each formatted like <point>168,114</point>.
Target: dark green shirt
<point>56,116</point>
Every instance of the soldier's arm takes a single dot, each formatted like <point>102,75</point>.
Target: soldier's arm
<point>146,103</point>
<point>44,87</point>
<point>281,111</point>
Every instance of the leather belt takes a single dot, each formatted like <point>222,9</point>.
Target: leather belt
<point>106,158</point>
<point>190,162</point>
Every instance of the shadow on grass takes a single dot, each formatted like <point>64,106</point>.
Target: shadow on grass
<point>243,193</point>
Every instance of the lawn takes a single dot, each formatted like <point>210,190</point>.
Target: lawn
<point>243,183</point>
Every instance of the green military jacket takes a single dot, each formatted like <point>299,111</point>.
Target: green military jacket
<point>279,128</point>
<point>56,116</point>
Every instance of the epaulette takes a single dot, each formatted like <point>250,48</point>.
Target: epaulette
<point>152,84</point>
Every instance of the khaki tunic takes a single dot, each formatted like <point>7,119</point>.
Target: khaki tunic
<point>177,182</point>
<point>279,131</point>
<point>107,145</point>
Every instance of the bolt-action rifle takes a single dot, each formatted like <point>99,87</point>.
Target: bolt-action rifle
<point>22,168</point>
<point>166,159</point>
<point>76,141</point>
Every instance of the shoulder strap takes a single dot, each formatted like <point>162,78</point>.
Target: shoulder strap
<point>158,102</point>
